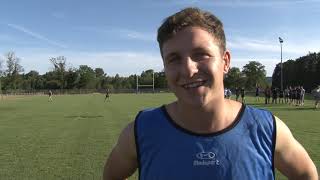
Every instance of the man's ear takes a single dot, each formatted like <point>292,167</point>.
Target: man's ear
<point>226,60</point>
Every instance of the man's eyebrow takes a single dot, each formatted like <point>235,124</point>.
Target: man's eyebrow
<point>199,49</point>
<point>171,54</point>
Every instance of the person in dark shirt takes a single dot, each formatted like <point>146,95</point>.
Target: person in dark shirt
<point>107,95</point>
<point>50,96</point>
<point>274,95</point>
<point>257,94</point>
<point>243,93</point>
<point>237,93</point>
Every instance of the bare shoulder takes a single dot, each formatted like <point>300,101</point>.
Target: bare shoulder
<point>122,161</point>
<point>291,159</point>
<point>127,135</point>
<point>127,140</point>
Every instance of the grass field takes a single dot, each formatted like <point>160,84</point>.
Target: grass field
<point>71,137</point>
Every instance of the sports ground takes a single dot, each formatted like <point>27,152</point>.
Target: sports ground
<point>71,137</point>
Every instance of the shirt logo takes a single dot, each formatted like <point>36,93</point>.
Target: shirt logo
<point>205,158</point>
<point>205,155</point>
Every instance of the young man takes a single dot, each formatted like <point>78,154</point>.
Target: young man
<point>281,94</point>
<point>286,95</point>
<point>274,95</point>
<point>229,93</point>
<point>257,93</point>
<point>237,93</point>
<point>316,94</point>
<point>107,95</point>
<point>243,92</point>
<point>202,135</point>
<point>303,92</point>
<point>50,96</point>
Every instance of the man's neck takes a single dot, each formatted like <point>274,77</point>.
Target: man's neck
<point>213,117</point>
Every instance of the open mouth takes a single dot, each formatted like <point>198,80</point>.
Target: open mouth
<point>194,84</point>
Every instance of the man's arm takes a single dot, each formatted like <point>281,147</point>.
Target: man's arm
<point>122,161</point>
<point>291,159</point>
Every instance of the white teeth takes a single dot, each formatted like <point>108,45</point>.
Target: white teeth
<point>193,85</point>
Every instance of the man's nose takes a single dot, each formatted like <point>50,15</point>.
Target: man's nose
<point>190,67</point>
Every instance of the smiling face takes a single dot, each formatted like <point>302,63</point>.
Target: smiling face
<point>194,66</point>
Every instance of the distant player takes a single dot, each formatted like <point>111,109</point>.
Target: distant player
<point>242,92</point>
<point>281,95</point>
<point>257,94</point>
<point>229,93</point>
<point>237,93</point>
<point>298,100</point>
<point>107,95</point>
<point>225,92</point>
<point>267,93</point>
<point>274,95</point>
<point>303,92</point>
<point>286,95</point>
<point>316,94</point>
<point>50,96</point>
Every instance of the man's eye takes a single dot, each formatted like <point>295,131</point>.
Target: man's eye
<point>201,56</point>
<point>172,60</point>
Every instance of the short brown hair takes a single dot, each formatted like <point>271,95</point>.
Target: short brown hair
<point>193,17</point>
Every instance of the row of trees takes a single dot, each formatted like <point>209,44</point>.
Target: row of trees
<point>12,77</point>
<point>304,71</point>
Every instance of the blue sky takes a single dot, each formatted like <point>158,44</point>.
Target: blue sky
<point>120,36</point>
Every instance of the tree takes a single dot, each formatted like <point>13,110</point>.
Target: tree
<point>87,77</point>
<point>31,79</point>
<point>116,82</point>
<point>107,83</point>
<point>1,70</point>
<point>99,77</point>
<point>59,64</point>
<point>255,74</point>
<point>276,79</point>
<point>234,78</point>
<point>13,69</point>
<point>1,74</point>
<point>160,80</point>
<point>146,77</point>
<point>72,78</point>
<point>99,72</point>
<point>304,71</point>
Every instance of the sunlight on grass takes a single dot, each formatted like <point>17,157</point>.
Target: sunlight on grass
<point>71,137</point>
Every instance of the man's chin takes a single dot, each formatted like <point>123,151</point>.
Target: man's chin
<point>194,102</point>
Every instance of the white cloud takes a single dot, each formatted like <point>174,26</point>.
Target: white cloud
<point>36,35</point>
<point>267,52</point>
<point>137,35</point>
<point>120,32</point>
<point>257,45</point>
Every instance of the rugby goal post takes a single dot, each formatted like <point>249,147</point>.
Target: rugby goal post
<point>144,85</point>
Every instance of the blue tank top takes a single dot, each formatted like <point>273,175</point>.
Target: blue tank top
<point>242,151</point>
